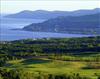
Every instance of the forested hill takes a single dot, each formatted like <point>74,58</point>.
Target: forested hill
<point>88,24</point>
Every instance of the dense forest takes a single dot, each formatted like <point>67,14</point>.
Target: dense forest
<point>46,53</point>
<point>52,45</point>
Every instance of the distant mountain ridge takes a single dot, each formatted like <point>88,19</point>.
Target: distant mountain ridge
<point>88,24</point>
<point>43,14</point>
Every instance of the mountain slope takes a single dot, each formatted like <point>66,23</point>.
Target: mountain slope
<point>69,24</point>
<point>42,14</point>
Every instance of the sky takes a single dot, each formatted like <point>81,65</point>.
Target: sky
<point>14,6</point>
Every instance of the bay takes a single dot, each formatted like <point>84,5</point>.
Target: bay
<point>6,34</point>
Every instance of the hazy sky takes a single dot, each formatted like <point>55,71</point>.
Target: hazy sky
<point>13,6</point>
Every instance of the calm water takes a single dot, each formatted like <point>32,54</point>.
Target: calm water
<point>6,34</point>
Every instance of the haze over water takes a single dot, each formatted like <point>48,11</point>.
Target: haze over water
<point>10,6</point>
<point>8,35</point>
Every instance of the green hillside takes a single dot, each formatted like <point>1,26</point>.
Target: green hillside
<point>65,58</point>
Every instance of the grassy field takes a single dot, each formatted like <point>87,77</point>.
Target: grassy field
<point>45,65</point>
